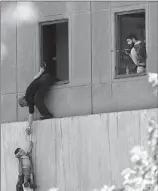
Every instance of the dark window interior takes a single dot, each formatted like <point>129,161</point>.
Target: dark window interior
<point>126,24</point>
<point>54,49</point>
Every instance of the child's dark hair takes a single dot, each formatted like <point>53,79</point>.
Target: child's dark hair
<point>16,151</point>
<point>131,36</point>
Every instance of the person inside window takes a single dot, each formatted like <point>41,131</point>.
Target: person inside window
<point>137,53</point>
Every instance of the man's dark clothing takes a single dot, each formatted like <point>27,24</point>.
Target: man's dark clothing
<point>50,68</point>
<point>36,92</point>
<point>140,48</point>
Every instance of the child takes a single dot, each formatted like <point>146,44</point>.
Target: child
<point>25,167</point>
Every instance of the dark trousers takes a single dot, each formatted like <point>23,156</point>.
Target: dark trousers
<point>19,183</point>
<point>44,81</point>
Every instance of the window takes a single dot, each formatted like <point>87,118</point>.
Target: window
<point>54,48</point>
<point>128,23</point>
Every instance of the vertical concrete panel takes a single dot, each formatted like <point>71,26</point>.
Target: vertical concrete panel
<point>126,3</point>
<point>8,48</point>
<point>80,101</point>
<point>114,150</point>
<point>3,165</point>
<point>81,49</point>
<point>98,151</point>
<point>26,54</point>
<point>101,46</point>
<point>8,108</point>
<point>75,153</point>
<point>60,168</point>
<point>69,101</point>
<point>103,99</point>
<point>81,6</point>
<point>123,136</point>
<point>133,94</point>
<point>65,7</point>
<point>13,137</point>
<point>128,135</point>
<point>45,154</point>
<point>152,61</point>
<point>69,7</point>
<point>144,127</point>
<point>70,154</point>
<point>46,8</point>
<point>145,116</point>
<point>99,5</point>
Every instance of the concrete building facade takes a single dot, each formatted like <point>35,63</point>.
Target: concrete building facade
<point>91,86</point>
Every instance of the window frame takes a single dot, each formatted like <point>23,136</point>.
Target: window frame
<point>114,38</point>
<point>50,22</point>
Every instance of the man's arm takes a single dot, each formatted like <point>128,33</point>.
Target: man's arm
<point>40,73</point>
<point>30,116</point>
<point>30,120</point>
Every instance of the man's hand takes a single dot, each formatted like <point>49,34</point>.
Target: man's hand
<point>28,130</point>
<point>127,53</point>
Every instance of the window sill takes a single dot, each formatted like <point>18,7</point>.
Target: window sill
<point>126,77</point>
<point>62,82</point>
<point>59,84</point>
<point>129,75</point>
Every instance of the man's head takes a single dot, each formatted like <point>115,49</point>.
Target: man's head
<point>131,39</point>
<point>19,152</point>
<point>22,101</point>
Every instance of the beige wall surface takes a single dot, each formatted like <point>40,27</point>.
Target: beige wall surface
<point>92,87</point>
<point>76,153</point>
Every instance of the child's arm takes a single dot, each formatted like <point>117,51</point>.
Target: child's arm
<point>30,148</point>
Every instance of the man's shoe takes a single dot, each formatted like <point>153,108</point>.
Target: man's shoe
<point>46,117</point>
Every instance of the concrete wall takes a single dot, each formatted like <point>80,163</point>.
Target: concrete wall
<point>92,87</point>
<point>77,153</point>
